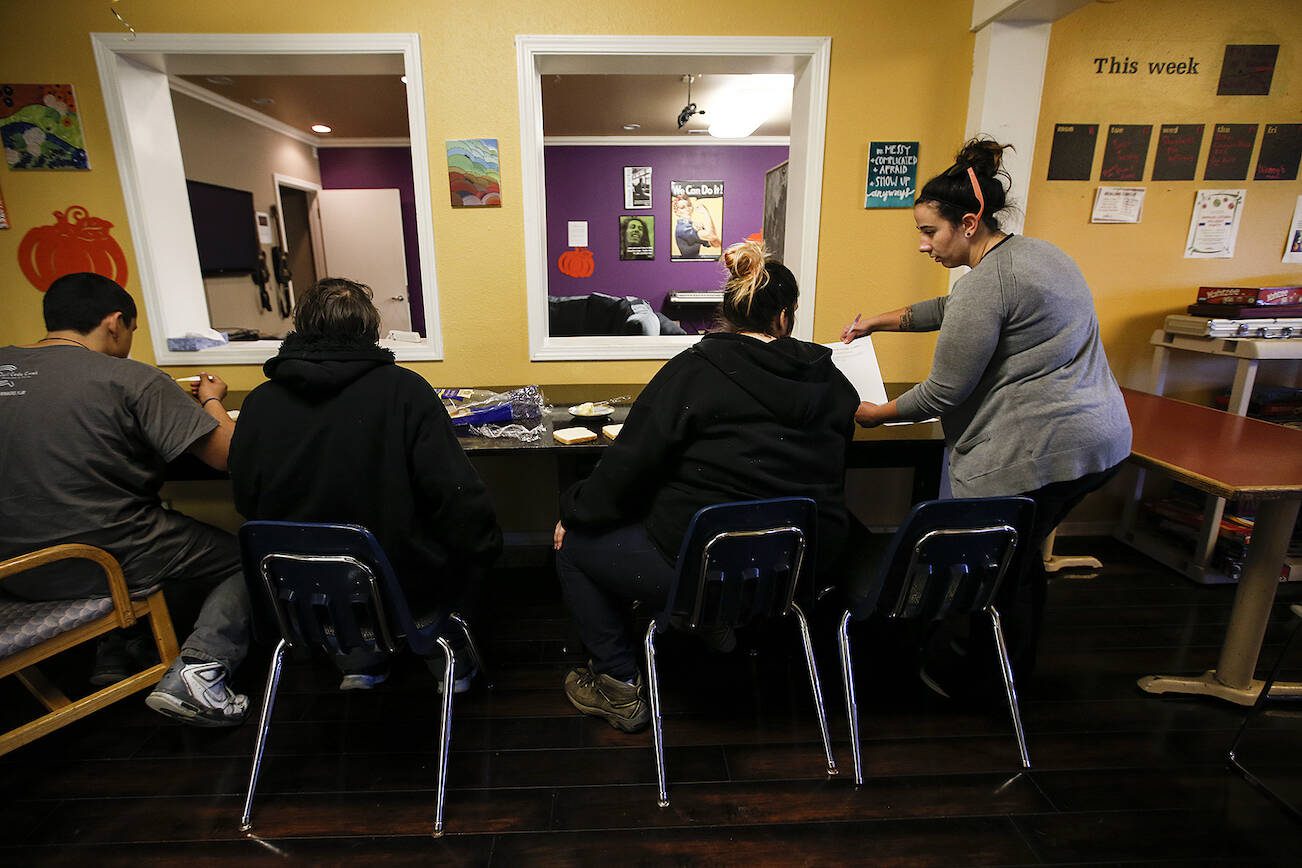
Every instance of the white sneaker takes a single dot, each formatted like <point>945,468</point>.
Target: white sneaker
<point>197,693</point>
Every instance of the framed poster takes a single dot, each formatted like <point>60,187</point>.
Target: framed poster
<point>697,208</point>
<point>637,186</point>
<point>40,127</point>
<point>637,237</point>
<point>775,210</point>
<point>892,175</point>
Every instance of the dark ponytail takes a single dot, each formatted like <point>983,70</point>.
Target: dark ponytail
<point>952,193</point>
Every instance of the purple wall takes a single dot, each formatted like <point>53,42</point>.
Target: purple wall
<point>378,168</point>
<point>587,183</point>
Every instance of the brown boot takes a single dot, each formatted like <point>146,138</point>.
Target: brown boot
<point>621,704</point>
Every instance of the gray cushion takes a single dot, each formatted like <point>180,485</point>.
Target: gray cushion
<point>24,624</point>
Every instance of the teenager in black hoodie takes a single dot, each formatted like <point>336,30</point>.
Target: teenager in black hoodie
<point>342,434</point>
<point>749,412</point>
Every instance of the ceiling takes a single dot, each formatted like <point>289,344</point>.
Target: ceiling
<point>353,106</point>
<point>375,106</point>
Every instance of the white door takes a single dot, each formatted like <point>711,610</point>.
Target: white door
<point>362,239</point>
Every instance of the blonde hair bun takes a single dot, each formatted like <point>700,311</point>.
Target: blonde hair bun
<point>746,273</point>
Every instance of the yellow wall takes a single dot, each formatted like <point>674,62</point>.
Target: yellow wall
<point>894,75</point>
<point>1138,273</point>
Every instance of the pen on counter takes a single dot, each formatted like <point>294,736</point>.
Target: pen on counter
<point>195,379</point>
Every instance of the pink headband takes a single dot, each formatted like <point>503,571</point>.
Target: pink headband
<point>976,188</point>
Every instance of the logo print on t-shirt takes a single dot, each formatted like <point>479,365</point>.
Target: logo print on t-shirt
<point>9,375</point>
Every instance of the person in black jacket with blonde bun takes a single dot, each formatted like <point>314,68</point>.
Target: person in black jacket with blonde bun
<point>748,412</point>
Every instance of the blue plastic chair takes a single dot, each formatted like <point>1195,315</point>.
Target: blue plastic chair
<point>948,558</point>
<point>739,563</point>
<point>331,589</point>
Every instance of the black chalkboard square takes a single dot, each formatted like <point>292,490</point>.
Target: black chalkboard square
<point>1072,156</point>
<point>1247,70</point>
<point>1281,151</point>
<point>1230,153</point>
<point>1177,152</point>
<point>1125,152</point>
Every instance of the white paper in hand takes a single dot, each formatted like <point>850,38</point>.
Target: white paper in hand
<point>858,361</point>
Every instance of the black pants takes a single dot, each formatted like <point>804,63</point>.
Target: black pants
<point>1020,601</point>
<point>600,573</point>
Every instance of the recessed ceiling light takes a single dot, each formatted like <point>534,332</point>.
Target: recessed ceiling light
<point>262,100</point>
<point>631,127</point>
<point>320,128</point>
<point>219,79</point>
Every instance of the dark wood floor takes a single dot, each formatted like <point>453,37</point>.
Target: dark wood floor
<point>1120,776</point>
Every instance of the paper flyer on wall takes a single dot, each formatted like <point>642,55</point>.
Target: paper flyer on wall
<point>1293,243</point>
<point>1118,205</point>
<point>858,361</point>
<point>1214,226</point>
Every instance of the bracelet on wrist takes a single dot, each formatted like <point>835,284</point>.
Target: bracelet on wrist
<point>204,402</point>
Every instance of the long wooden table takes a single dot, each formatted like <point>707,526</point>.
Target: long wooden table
<point>1228,456</point>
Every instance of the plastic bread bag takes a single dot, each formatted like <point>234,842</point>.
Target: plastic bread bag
<point>474,407</point>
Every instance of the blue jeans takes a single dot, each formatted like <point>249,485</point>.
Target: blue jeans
<point>600,573</point>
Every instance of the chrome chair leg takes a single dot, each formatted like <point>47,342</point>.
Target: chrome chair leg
<point>1006,669</point>
<point>475,657</point>
<point>657,725</point>
<point>851,706</point>
<point>264,729</point>
<point>817,687</point>
<point>445,738</point>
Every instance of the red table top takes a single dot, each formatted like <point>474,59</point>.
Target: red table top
<point>1215,451</point>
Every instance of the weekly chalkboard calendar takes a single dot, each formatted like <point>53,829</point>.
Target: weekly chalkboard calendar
<point>1281,150</point>
<point>1230,153</point>
<point>1072,156</point>
<point>1177,152</point>
<point>1126,152</point>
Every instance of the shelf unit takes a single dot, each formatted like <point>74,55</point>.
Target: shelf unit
<point>1248,353</point>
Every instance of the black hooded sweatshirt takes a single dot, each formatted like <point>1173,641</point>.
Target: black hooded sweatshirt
<point>342,434</point>
<point>731,418</point>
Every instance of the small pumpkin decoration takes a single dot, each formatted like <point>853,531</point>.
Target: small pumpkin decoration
<point>576,263</point>
<point>74,242</point>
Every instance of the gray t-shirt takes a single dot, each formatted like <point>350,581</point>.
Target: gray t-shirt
<point>84,438</point>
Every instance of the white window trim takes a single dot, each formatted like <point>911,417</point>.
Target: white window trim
<point>140,115</point>
<point>808,58</point>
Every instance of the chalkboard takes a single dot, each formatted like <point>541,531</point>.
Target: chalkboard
<point>892,175</point>
<point>1281,150</point>
<point>1247,70</point>
<point>1072,156</point>
<point>1126,152</point>
<point>1230,153</point>
<point>1177,152</point>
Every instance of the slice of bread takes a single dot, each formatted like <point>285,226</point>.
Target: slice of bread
<point>612,431</point>
<point>568,436</point>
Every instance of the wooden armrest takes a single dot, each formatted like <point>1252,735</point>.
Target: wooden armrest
<point>117,582</point>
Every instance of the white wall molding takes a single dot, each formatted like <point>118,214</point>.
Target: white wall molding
<point>664,141</point>
<point>363,142</point>
<point>230,106</point>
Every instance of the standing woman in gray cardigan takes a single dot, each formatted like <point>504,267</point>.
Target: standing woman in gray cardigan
<point>1019,379</point>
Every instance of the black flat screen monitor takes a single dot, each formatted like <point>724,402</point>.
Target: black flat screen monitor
<point>224,228</point>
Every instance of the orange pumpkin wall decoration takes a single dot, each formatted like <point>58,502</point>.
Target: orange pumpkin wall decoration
<point>74,242</point>
<point>576,263</point>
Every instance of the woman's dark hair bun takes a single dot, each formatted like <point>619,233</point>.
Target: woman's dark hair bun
<point>952,193</point>
<point>984,155</point>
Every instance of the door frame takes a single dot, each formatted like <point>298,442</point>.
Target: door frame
<point>311,188</point>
